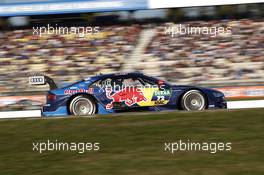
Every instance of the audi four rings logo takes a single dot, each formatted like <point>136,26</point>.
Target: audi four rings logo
<point>37,80</point>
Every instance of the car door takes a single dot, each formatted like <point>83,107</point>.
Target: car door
<point>125,92</point>
<point>120,92</point>
<point>156,92</point>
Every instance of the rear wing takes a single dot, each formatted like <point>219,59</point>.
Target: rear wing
<point>42,80</point>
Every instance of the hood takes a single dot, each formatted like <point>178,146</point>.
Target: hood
<point>174,87</point>
<point>203,89</point>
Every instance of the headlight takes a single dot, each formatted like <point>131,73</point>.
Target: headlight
<point>218,94</point>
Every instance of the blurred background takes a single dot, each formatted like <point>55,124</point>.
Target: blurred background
<point>134,40</point>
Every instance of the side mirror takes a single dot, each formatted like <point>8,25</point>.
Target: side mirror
<point>161,84</point>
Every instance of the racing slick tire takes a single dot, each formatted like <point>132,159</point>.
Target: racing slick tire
<point>82,105</point>
<point>193,100</point>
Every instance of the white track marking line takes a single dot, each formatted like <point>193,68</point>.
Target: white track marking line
<point>245,104</point>
<point>20,114</point>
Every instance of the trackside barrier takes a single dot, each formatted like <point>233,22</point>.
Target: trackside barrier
<point>190,3</point>
<point>37,113</point>
<point>7,100</point>
<point>243,91</point>
<point>230,92</point>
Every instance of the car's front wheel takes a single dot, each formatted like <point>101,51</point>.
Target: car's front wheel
<point>193,100</point>
<point>82,105</point>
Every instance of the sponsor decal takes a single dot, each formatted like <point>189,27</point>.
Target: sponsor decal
<point>90,90</point>
<point>161,97</point>
<point>243,91</point>
<point>254,92</point>
<point>74,91</point>
<point>128,95</point>
<point>162,93</point>
<point>160,102</point>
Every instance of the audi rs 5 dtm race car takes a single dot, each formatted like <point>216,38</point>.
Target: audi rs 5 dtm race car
<point>112,93</point>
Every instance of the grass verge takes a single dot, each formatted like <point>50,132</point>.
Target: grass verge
<point>134,144</point>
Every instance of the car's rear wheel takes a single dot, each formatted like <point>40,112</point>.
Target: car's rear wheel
<point>82,105</point>
<point>193,100</point>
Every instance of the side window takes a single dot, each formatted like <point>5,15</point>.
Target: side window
<point>132,82</point>
<point>149,83</point>
<point>156,84</point>
<point>106,82</point>
<point>115,83</point>
<point>103,83</point>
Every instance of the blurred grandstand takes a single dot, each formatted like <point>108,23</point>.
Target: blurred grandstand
<point>225,60</point>
<point>65,58</point>
<point>194,59</point>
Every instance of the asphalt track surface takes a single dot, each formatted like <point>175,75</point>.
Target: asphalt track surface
<point>37,114</point>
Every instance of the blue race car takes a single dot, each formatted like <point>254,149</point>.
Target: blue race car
<point>112,93</point>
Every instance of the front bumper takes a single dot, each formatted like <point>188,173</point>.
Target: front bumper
<point>218,103</point>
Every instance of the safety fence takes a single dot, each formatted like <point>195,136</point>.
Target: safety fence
<point>26,102</point>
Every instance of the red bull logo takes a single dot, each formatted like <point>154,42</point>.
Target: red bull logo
<point>129,95</point>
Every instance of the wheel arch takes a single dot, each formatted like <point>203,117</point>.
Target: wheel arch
<point>179,105</point>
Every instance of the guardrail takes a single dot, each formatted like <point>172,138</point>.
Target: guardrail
<point>243,91</point>
<point>37,113</point>
<point>230,92</point>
